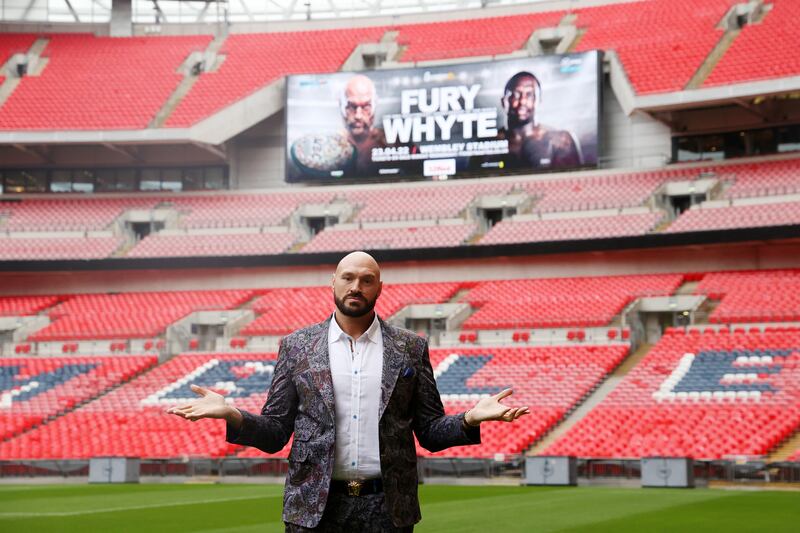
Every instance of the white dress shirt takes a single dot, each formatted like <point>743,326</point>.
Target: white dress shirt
<point>356,368</point>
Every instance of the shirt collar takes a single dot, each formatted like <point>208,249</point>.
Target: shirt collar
<point>335,332</point>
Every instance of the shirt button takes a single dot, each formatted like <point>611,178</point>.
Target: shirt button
<point>355,372</point>
<point>353,463</point>
<point>354,417</point>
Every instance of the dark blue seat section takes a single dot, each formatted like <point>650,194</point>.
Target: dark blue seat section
<point>454,379</point>
<point>247,376</point>
<point>9,379</point>
<point>709,368</point>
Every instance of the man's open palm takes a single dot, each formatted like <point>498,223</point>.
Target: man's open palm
<point>490,408</point>
<point>209,405</point>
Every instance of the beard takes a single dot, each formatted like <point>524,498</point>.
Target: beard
<point>366,306</point>
<point>514,121</point>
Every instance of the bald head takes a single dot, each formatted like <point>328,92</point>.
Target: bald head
<point>359,260</point>
<point>357,284</point>
<point>360,86</point>
<point>358,106</point>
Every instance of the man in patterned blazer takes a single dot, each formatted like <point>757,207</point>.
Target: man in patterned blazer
<point>354,391</point>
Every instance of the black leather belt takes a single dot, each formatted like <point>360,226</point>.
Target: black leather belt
<point>355,487</point>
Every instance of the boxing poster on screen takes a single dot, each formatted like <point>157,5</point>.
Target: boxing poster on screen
<point>532,114</point>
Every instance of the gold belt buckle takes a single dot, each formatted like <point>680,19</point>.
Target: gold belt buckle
<point>354,487</point>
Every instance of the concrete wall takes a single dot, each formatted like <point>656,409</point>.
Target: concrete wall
<point>121,24</point>
<point>684,259</point>
<point>634,141</point>
<point>257,157</point>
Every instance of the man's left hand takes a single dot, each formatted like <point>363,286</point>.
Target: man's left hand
<point>491,409</point>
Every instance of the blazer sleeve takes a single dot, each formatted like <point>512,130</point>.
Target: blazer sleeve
<point>270,431</point>
<point>435,430</point>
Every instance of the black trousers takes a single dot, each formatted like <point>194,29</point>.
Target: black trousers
<point>353,514</point>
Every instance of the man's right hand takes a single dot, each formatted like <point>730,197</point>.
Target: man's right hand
<point>209,405</point>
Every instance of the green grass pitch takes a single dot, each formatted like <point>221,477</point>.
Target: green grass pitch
<point>257,508</point>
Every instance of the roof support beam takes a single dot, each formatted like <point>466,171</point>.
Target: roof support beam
<point>42,153</point>
<point>218,151</point>
<point>72,10</point>
<point>129,152</point>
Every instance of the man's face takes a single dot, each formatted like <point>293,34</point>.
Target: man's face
<point>356,289</point>
<point>358,112</point>
<point>522,102</point>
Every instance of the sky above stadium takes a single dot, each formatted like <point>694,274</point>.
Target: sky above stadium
<point>172,11</point>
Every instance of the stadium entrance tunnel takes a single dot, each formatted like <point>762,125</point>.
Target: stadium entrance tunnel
<point>207,330</point>
<point>432,320</point>
<point>679,196</point>
<point>492,209</point>
<point>312,219</point>
<point>649,317</point>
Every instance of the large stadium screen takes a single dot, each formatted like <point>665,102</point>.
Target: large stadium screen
<point>532,114</point>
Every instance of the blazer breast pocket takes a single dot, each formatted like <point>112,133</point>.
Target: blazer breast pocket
<point>405,384</point>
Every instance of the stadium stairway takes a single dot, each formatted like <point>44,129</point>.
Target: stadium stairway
<point>592,400</point>
<point>787,449</point>
<point>725,42</point>
<point>211,60</point>
<point>35,62</point>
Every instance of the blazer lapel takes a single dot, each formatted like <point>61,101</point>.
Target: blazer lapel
<point>319,363</point>
<point>394,359</point>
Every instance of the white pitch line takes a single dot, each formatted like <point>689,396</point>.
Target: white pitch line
<point>127,508</point>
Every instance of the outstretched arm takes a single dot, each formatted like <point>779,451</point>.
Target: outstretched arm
<point>269,431</point>
<point>490,408</point>
<point>209,404</point>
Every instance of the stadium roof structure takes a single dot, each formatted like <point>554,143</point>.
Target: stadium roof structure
<point>210,11</point>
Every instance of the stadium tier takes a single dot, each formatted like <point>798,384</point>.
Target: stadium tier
<point>99,82</point>
<point>250,210</point>
<point>661,43</point>
<point>131,420</point>
<point>744,297</point>
<point>25,305</point>
<point>755,296</point>
<point>600,192</point>
<point>130,315</point>
<point>551,381</point>
<point>419,203</point>
<point>91,82</point>
<point>576,228</point>
<point>767,178</point>
<point>749,60</point>
<point>577,206</point>
<point>470,38</point>
<point>51,248</point>
<point>284,310</point>
<point>37,388</point>
<point>706,395</point>
<point>255,60</point>
<point>227,244</point>
<point>439,236</point>
<point>68,214</point>
<point>560,302</point>
<point>737,216</point>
